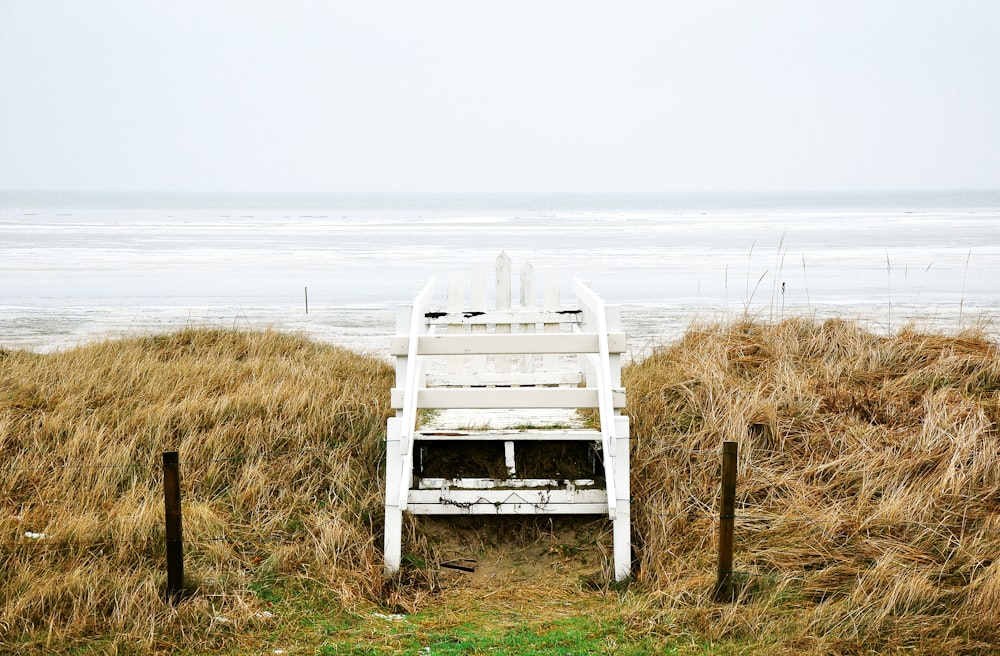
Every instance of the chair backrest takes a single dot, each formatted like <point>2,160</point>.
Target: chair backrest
<point>533,344</point>
<point>476,357</point>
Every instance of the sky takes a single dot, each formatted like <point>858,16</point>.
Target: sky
<point>515,96</point>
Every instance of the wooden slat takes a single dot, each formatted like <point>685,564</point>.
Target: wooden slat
<point>511,344</point>
<point>484,398</point>
<point>470,483</point>
<point>455,288</point>
<point>508,502</point>
<point>527,360</point>
<point>553,435</point>
<point>502,361</point>
<point>402,328</point>
<point>578,508</point>
<point>489,378</point>
<point>421,302</point>
<point>482,317</point>
<point>480,275</point>
<point>551,304</point>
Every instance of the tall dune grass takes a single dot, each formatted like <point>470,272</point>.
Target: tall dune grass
<point>280,448</point>
<point>868,514</point>
<point>868,501</point>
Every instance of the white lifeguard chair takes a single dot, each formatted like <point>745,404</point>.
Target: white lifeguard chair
<point>507,380</point>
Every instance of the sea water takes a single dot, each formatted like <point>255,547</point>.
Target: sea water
<point>80,267</point>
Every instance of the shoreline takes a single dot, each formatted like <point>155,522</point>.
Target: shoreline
<point>367,329</point>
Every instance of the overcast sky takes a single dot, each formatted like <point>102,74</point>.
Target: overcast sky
<point>535,96</point>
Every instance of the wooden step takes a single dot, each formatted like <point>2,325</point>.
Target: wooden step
<point>494,379</point>
<point>546,435</point>
<point>589,501</point>
<point>482,398</point>
<point>428,483</point>
<point>469,318</point>
<point>509,344</point>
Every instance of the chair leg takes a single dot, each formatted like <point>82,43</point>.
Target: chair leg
<point>393,538</point>
<point>623,517</point>
<point>623,541</point>
<point>393,512</point>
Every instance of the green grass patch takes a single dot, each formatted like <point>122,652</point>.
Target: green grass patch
<point>447,633</point>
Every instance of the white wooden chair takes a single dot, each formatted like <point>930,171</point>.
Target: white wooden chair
<point>512,376</point>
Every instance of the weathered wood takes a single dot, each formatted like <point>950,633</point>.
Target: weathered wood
<point>587,501</point>
<point>546,435</point>
<point>490,317</point>
<point>460,361</point>
<point>478,306</point>
<point>527,361</point>
<point>392,545</point>
<point>551,306</point>
<point>421,304</point>
<point>527,286</point>
<point>455,289</point>
<point>622,516</point>
<point>503,287</point>
<point>614,324</point>
<point>507,397</point>
<point>403,314</point>
<point>494,484</point>
<point>478,506</point>
<point>727,516</point>
<point>596,314</point>
<point>568,343</point>
<point>173,528</point>
<point>503,304</point>
<point>492,379</point>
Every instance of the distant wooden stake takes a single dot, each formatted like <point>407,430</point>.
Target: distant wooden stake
<point>172,507</point>
<point>727,515</point>
<point>307,300</point>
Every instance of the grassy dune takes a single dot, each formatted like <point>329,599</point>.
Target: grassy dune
<point>868,505</point>
<point>83,432</point>
<point>868,508</point>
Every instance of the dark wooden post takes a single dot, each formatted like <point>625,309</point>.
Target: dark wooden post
<point>172,507</point>
<point>307,299</point>
<point>727,515</point>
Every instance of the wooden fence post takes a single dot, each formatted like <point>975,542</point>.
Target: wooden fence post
<point>172,507</point>
<point>727,514</point>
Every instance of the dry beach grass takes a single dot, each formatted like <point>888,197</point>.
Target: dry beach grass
<point>868,515</point>
<point>82,433</point>
<point>868,507</point>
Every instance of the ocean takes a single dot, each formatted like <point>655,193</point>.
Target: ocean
<point>81,267</point>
